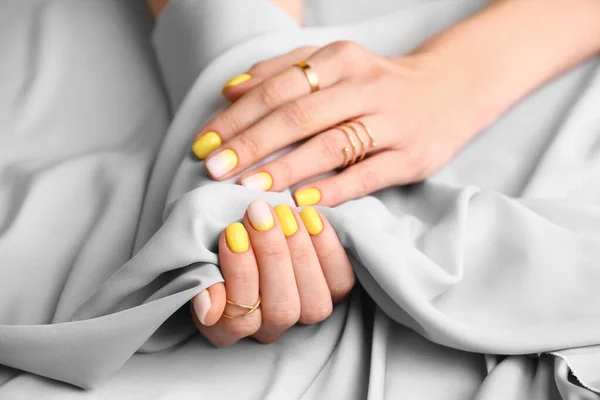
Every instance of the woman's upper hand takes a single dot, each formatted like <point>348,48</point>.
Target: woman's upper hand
<point>294,261</point>
<point>411,121</point>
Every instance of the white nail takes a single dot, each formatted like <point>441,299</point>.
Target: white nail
<point>260,216</point>
<point>260,181</point>
<point>202,305</point>
<point>222,163</point>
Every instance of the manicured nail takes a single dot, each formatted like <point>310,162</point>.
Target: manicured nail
<point>236,80</point>
<point>311,220</point>
<point>260,181</point>
<point>222,163</point>
<point>205,144</point>
<point>286,219</point>
<point>237,237</point>
<point>259,214</point>
<point>307,197</point>
<point>202,305</point>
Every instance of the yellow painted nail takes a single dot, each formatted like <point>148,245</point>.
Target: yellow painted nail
<point>260,181</point>
<point>237,237</point>
<point>205,144</point>
<point>311,220</point>
<point>307,197</point>
<point>260,216</point>
<point>236,80</point>
<point>286,219</point>
<point>222,163</point>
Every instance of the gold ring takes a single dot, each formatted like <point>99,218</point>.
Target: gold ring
<point>346,150</point>
<point>373,142</point>
<point>311,75</point>
<point>250,309</point>
<point>363,146</point>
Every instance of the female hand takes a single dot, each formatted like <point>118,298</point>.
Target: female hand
<point>293,260</point>
<point>412,119</point>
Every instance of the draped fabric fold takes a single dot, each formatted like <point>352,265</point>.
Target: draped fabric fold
<point>107,229</point>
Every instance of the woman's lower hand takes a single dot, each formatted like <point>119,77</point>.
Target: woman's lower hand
<point>412,118</point>
<point>293,261</point>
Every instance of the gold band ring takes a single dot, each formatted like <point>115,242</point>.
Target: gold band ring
<point>311,75</point>
<point>363,146</point>
<point>373,142</point>
<point>250,309</point>
<point>346,127</point>
<point>346,150</point>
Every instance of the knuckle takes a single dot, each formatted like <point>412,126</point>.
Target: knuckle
<point>285,172</point>
<point>330,148</point>
<point>341,288</point>
<point>415,161</point>
<point>273,93</point>
<point>250,145</point>
<point>302,254</point>
<point>276,253</point>
<point>317,313</point>
<point>367,182</point>
<point>308,49</point>
<point>256,68</point>
<point>241,273</point>
<point>229,122</point>
<point>266,338</point>
<point>296,113</point>
<point>347,48</point>
<point>243,328</point>
<point>281,317</point>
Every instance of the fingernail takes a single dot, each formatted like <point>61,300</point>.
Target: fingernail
<point>237,237</point>
<point>202,305</point>
<point>307,197</point>
<point>260,216</point>
<point>311,220</point>
<point>286,219</point>
<point>236,80</point>
<point>260,181</point>
<point>205,144</point>
<point>222,163</point>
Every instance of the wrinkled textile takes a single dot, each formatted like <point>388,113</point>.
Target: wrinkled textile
<point>480,283</point>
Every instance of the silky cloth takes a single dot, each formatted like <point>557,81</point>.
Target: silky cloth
<point>480,283</point>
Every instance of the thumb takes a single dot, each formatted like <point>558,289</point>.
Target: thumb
<point>208,305</point>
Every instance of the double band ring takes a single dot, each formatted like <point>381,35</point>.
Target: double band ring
<point>348,129</point>
<point>311,75</point>
<point>250,309</point>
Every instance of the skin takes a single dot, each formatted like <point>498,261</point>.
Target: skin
<point>291,7</point>
<point>299,277</point>
<point>422,109</point>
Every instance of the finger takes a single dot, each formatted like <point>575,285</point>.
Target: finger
<point>240,273</point>
<point>333,259</point>
<point>208,305</point>
<point>326,151</point>
<point>289,124</point>
<point>315,299</point>
<point>332,64</point>
<point>259,72</point>
<point>280,300</point>
<point>377,172</point>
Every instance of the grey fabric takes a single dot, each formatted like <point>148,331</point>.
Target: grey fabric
<point>480,283</point>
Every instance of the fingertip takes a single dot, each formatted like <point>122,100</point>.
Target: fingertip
<point>218,301</point>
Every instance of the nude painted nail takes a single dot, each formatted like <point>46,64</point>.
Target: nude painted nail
<point>222,163</point>
<point>260,181</point>
<point>202,305</point>
<point>260,216</point>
